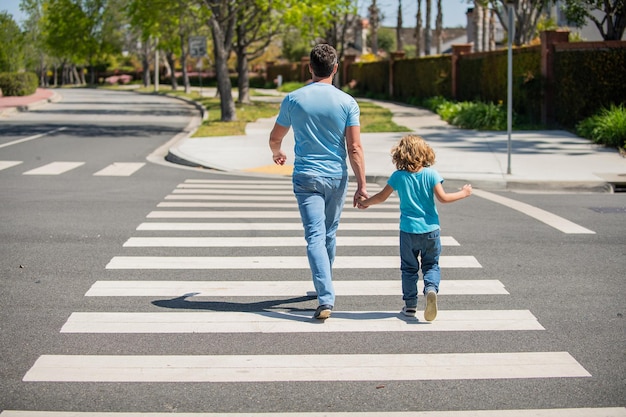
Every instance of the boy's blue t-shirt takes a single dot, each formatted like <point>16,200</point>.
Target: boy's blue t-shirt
<point>418,212</point>
<point>319,114</point>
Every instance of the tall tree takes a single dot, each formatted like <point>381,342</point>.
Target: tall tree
<point>399,45</point>
<point>427,28</point>
<point>12,41</point>
<point>418,29</point>
<point>438,27</point>
<point>221,20</point>
<point>527,14</point>
<point>611,23</point>
<point>374,13</point>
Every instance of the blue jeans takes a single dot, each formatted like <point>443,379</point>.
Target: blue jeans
<point>320,201</point>
<point>413,248</point>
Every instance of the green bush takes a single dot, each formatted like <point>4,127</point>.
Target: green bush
<point>288,87</point>
<point>18,84</point>
<point>469,115</point>
<point>607,127</point>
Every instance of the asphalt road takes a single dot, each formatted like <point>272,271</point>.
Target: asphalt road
<point>63,235</point>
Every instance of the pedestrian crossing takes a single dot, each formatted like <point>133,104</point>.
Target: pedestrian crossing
<point>219,225</point>
<point>116,169</point>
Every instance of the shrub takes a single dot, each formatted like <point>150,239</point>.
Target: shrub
<point>18,84</point>
<point>469,115</point>
<point>607,127</point>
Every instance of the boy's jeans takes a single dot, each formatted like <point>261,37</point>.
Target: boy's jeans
<point>413,248</point>
<point>320,201</point>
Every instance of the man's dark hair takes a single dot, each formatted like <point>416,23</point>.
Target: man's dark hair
<point>323,59</point>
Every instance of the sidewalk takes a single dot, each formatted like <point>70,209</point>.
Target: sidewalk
<point>551,160</point>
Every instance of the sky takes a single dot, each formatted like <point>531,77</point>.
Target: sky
<point>453,11</point>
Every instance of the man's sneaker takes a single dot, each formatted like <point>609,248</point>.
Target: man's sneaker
<point>431,306</point>
<point>323,312</point>
<point>409,311</point>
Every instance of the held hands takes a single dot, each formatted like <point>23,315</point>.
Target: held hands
<point>359,204</point>
<point>359,196</point>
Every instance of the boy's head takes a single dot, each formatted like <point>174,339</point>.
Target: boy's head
<point>323,60</point>
<point>412,153</point>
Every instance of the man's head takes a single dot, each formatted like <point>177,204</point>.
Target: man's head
<point>323,60</point>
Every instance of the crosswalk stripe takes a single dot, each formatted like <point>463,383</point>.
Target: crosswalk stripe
<point>8,164</point>
<point>237,242</point>
<point>54,168</point>
<point>251,191</point>
<point>248,198</point>
<point>343,226</point>
<point>280,288</point>
<point>120,169</point>
<point>255,214</point>
<point>296,322</point>
<point>268,368</point>
<point>536,412</point>
<point>292,205</point>
<point>272,262</point>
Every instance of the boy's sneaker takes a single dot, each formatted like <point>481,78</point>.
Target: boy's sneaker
<point>409,311</point>
<point>431,306</point>
<point>323,312</point>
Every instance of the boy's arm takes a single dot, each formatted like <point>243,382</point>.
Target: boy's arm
<point>444,197</point>
<point>377,198</point>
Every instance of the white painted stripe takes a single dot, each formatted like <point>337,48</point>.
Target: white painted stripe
<point>8,164</point>
<point>251,191</point>
<point>297,322</point>
<point>280,288</point>
<point>343,226</point>
<point>549,412</point>
<point>258,368</point>
<point>272,262</point>
<point>237,186</point>
<point>240,242</point>
<point>237,181</point>
<point>546,217</point>
<point>292,205</point>
<point>15,142</point>
<point>54,168</point>
<point>120,169</point>
<point>253,214</point>
<point>273,198</point>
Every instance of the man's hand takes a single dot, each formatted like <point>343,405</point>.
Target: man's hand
<point>279,157</point>
<point>358,196</point>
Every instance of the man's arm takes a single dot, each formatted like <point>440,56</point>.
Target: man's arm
<point>276,139</point>
<point>357,161</point>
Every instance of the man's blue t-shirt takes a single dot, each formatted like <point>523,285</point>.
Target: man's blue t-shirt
<point>418,212</point>
<point>319,114</point>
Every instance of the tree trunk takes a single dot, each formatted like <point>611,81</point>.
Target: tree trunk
<point>418,29</point>
<point>478,25</point>
<point>243,81</point>
<point>222,44</point>
<point>171,63</point>
<point>399,46</point>
<point>427,27</point>
<point>183,63</point>
<point>374,27</point>
<point>438,27</point>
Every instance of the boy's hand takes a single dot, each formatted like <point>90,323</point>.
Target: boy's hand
<point>467,189</point>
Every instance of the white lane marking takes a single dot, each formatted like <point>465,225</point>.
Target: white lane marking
<point>546,217</point>
<point>391,202</point>
<point>272,262</point>
<point>54,168</point>
<point>361,214</point>
<point>545,412</point>
<point>8,164</point>
<point>120,169</point>
<point>239,242</point>
<point>343,226</point>
<point>248,204</point>
<point>15,142</point>
<point>296,322</point>
<point>259,368</point>
<point>280,288</point>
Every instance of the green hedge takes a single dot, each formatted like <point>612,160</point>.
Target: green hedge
<point>18,83</point>
<point>372,78</point>
<point>587,82</point>
<point>483,77</point>
<point>418,79</point>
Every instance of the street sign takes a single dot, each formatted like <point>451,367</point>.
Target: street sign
<point>197,46</point>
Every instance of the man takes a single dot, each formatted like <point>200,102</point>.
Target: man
<point>326,127</point>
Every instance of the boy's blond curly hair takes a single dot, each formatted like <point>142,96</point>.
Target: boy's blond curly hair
<point>412,153</point>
